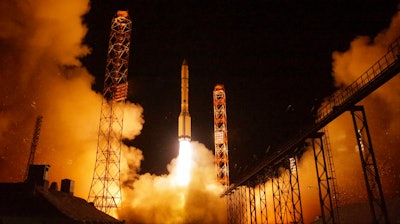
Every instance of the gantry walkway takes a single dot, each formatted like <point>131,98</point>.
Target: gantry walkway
<point>341,101</point>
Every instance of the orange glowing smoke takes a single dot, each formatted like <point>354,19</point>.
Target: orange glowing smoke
<point>164,199</point>
<point>383,116</point>
<point>41,44</point>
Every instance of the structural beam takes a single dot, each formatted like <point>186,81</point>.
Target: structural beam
<point>370,170</point>
<point>324,190</point>
<point>379,73</point>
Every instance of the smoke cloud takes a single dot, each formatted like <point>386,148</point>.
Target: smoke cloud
<point>382,112</point>
<point>41,44</point>
<point>160,199</point>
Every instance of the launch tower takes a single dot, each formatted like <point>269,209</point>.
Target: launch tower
<point>221,135</point>
<point>105,191</point>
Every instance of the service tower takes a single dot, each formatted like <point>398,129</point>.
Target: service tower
<point>105,191</point>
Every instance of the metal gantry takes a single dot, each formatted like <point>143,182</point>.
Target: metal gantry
<point>370,170</point>
<point>331,173</point>
<point>252,203</point>
<point>243,205</point>
<point>285,198</point>
<point>343,100</point>
<point>276,197</point>
<point>382,71</point>
<point>221,135</point>
<point>297,210</point>
<point>105,190</point>
<point>324,189</point>
<point>262,199</point>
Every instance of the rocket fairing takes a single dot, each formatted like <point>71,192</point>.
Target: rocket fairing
<point>184,121</point>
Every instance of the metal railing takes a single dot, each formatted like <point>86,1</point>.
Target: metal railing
<point>379,73</point>
<point>341,96</point>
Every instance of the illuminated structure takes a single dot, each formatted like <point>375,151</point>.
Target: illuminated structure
<point>241,197</point>
<point>184,120</point>
<point>221,135</point>
<point>105,191</point>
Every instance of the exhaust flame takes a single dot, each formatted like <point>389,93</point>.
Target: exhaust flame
<point>173,198</point>
<point>184,163</point>
<point>41,74</point>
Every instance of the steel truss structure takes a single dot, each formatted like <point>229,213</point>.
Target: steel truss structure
<point>221,135</point>
<point>248,203</point>
<point>276,195</point>
<point>105,190</point>
<point>370,170</point>
<point>341,101</point>
<point>296,210</point>
<point>262,199</point>
<point>324,179</point>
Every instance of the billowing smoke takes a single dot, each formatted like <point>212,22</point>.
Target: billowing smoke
<point>383,116</point>
<point>382,111</point>
<point>41,44</point>
<point>160,199</point>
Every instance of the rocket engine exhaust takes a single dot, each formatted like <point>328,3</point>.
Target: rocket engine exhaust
<point>184,120</point>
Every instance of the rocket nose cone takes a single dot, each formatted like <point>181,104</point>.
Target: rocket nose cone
<point>184,62</point>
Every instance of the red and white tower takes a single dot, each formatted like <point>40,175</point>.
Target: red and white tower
<point>105,191</point>
<point>221,135</point>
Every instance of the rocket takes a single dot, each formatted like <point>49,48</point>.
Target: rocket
<point>184,123</point>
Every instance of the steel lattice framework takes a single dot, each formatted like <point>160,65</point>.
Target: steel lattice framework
<point>34,144</point>
<point>105,191</point>
<point>315,136</point>
<point>324,185</point>
<point>221,135</point>
<point>262,200</point>
<point>373,184</point>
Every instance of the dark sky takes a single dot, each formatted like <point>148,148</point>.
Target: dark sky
<point>274,58</point>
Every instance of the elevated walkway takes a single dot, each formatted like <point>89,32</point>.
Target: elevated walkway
<point>344,99</point>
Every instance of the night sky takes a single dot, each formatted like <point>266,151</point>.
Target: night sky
<point>274,58</point>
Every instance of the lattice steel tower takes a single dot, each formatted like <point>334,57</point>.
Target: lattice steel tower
<point>105,191</point>
<point>221,135</point>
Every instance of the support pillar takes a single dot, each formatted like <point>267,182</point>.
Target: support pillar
<point>276,198</point>
<point>231,208</point>
<point>263,200</point>
<point>325,197</point>
<point>252,204</point>
<point>285,198</point>
<point>243,204</point>
<point>372,181</point>
<point>297,211</point>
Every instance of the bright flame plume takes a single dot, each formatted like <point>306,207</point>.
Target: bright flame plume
<point>184,164</point>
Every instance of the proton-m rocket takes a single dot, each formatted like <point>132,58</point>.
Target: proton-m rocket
<point>184,120</point>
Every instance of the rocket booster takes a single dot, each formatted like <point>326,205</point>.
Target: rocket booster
<point>184,123</point>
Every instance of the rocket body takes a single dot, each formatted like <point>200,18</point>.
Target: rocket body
<point>184,120</point>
